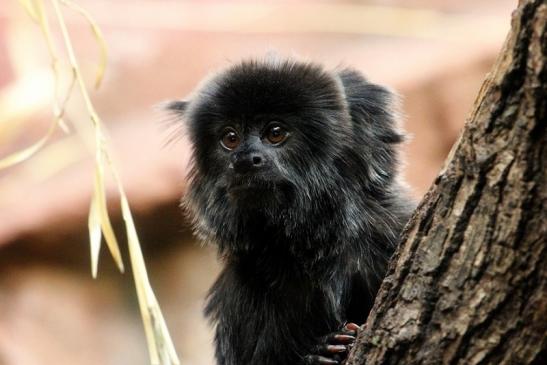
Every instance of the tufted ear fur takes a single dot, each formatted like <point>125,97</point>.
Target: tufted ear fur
<point>177,107</point>
<point>174,120</point>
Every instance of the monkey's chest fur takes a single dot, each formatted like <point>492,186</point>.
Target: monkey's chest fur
<point>270,311</point>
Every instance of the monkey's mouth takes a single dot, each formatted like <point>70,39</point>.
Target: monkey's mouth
<point>238,186</point>
<point>258,192</point>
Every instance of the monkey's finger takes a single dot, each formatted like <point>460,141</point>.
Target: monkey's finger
<point>352,326</point>
<point>330,350</point>
<point>350,329</point>
<point>333,349</point>
<point>320,360</point>
<point>340,338</point>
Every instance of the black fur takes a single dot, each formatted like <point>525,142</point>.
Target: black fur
<point>305,241</point>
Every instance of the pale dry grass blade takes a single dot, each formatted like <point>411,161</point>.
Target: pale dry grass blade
<point>35,9</point>
<point>25,154</point>
<point>59,107</point>
<point>59,103</point>
<point>98,37</point>
<point>161,348</point>
<point>94,227</point>
<point>160,344</point>
<point>99,191</point>
<point>99,195</point>
<point>28,5</point>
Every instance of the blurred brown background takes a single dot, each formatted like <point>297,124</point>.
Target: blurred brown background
<point>434,53</point>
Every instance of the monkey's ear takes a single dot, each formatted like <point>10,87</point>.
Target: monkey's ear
<point>176,106</point>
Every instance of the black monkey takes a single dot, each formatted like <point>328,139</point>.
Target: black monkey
<point>294,178</point>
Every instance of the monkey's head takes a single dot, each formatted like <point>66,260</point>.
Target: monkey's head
<point>270,142</point>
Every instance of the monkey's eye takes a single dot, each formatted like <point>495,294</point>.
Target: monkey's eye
<point>276,134</point>
<point>230,139</point>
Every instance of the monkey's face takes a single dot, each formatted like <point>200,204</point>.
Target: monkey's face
<point>266,137</point>
<point>251,158</point>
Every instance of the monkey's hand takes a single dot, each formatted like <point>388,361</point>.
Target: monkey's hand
<point>334,348</point>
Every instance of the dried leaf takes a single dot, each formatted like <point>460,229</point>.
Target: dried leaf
<point>98,37</point>
<point>160,344</point>
<point>30,9</point>
<point>59,107</point>
<point>28,152</point>
<point>106,226</point>
<point>94,227</point>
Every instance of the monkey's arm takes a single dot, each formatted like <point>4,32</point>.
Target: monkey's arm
<point>334,347</point>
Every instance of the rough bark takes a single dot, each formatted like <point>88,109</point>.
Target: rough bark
<point>468,285</point>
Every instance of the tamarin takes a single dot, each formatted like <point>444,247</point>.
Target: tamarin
<point>294,178</point>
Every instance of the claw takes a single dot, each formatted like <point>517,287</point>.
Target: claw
<point>343,339</point>
<point>351,329</point>
<point>352,326</point>
<point>335,349</point>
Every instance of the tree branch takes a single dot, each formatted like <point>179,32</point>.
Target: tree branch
<point>468,284</point>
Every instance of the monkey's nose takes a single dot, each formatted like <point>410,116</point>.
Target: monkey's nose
<point>248,162</point>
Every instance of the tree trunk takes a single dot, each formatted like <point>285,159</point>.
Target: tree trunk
<point>468,284</point>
